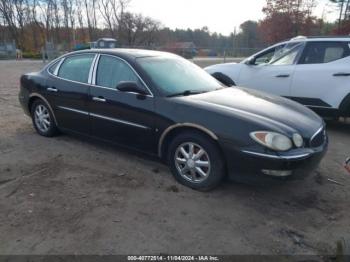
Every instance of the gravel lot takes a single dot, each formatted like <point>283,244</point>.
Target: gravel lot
<point>69,195</point>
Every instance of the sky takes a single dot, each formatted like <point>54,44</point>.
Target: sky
<point>220,16</point>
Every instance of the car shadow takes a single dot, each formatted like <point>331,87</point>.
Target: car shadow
<point>342,126</point>
<point>228,185</point>
<point>228,188</point>
<point>111,147</point>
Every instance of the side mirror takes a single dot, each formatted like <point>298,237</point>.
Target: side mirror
<point>250,61</point>
<point>131,87</point>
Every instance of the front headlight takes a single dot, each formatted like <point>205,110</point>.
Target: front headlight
<point>272,140</point>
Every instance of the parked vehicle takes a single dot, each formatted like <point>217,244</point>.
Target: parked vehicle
<point>164,105</point>
<point>312,71</point>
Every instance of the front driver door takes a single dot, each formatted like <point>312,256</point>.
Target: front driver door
<point>272,71</point>
<point>121,117</point>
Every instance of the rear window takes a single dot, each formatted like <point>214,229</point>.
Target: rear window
<point>324,52</point>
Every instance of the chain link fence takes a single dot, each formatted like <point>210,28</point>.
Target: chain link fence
<point>204,54</point>
<point>7,50</point>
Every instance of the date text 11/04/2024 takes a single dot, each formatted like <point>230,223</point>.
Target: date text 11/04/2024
<point>173,258</point>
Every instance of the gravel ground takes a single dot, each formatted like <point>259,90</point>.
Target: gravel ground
<point>68,195</point>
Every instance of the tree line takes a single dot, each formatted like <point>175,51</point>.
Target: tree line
<point>32,23</point>
<point>344,16</point>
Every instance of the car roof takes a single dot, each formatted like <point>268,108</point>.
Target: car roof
<point>319,38</point>
<point>126,53</point>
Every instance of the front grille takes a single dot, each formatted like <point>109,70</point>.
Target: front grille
<point>318,138</point>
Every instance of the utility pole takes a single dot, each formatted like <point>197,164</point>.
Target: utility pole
<point>234,41</point>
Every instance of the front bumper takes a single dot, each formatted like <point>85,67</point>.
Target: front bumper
<point>249,166</point>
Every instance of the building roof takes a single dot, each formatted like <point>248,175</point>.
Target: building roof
<point>107,40</point>
<point>181,45</point>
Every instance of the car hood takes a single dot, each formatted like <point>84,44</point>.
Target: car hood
<point>270,110</point>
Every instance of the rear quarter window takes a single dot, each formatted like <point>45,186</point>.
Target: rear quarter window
<point>52,68</point>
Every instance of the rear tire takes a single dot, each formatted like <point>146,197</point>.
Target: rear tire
<point>43,120</point>
<point>196,161</point>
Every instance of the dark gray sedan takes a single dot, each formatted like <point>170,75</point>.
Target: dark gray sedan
<point>164,105</point>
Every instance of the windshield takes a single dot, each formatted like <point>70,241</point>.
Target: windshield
<point>175,75</point>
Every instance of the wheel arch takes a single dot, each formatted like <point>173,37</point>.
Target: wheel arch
<point>35,96</point>
<point>344,107</point>
<point>169,133</point>
<point>223,78</point>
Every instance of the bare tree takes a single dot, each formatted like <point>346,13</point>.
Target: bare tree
<point>88,5</point>
<point>72,18</point>
<point>119,8</point>
<point>31,23</point>
<point>105,7</point>
<point>137,30</point>
<point>67,35</point>
<point>79,14</point>
<point>20,18</point>
<point>8,13</point>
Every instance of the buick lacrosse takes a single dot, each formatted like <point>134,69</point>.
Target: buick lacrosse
<point>164,105</point>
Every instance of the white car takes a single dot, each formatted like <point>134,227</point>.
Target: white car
<point>312,71</point>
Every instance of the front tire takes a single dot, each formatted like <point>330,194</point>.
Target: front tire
<point>196,161</point>
<point>43,120</point>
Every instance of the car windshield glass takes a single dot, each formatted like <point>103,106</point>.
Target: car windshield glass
<point>175,75</point>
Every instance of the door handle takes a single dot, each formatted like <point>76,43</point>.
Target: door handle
<point>52,89</point>
<point>283,76</point>
<point>99,99</point>
<point>341,74</point>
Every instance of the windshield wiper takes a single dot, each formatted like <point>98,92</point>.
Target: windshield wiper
<point>187,93</point>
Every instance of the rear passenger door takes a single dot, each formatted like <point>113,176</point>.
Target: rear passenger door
<point>71,87</point>
<point>124,118</point>
<point>322,75</point>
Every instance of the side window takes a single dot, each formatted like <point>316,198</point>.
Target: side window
<point>76,68</point>
<point>289,57</point>
<point>267,56</point>
<point>324,52</point>
<point>111,71</point>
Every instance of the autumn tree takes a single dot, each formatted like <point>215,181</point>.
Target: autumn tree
<point>287,18</point>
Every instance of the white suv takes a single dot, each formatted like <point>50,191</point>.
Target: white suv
<point>312,71</point>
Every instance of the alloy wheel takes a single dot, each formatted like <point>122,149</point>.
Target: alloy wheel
<point>42,118</point>
<point>192,162</point>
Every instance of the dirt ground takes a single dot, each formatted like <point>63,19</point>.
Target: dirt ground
<point>68,195</point>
